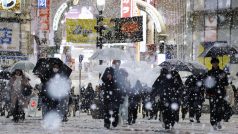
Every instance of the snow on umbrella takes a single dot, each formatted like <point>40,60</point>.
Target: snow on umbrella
<point>23,65</point>
<point>179,65</point>
<point>218,50</point>
<point>110,54</point>
<point>45,65</point>
<point>174,64</point>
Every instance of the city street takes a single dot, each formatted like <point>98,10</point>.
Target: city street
<point>85,124</point>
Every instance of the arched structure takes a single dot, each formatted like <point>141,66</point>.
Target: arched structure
<point>142,5</point>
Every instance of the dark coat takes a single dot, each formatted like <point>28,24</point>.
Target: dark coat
<point>221,80</point>
<point>112,96</point>
<point>89,96</point>
<point>134,95</point>
<point>194,90</point>
<point>168,86</point>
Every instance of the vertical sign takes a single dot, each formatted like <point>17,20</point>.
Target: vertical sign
<point>44,14</point>
<point>126,8</point>
<point>42,4</point>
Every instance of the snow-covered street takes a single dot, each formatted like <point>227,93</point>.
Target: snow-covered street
<point>85,124</point>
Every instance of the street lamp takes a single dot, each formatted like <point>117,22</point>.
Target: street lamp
<point>100,5</point>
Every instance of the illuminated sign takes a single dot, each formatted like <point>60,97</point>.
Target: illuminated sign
<point>10,5</point>
<point>44,14</point>
<point>126,8</point>
<point>42,3</point>
<point>58,16</point>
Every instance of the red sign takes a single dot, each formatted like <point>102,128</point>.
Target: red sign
<point>33,104</point>
<point>44,14</point>
<point>126,8</point>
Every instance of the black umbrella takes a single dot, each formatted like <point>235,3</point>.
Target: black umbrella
<point>178,65</point>
<point>218,50</point>
<point>44,67</point>
<point>5,75</point>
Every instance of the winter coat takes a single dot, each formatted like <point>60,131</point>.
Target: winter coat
<point>112,95</point>
<point>194,90</point>
<point>168,86</point>
<point>15,86</point>
<point>134,95</point>
<point>217,89</point>
<point>89,96</point>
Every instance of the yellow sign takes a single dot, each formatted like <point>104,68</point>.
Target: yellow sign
<point>81,31</point>
<point>224,60</point>
<point>10,5</point>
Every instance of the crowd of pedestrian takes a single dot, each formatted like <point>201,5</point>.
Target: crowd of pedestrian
<point>118,102</point>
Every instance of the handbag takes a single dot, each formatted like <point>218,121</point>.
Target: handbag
<point>26,90</point>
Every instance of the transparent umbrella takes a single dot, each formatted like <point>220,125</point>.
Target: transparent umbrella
<point>110,54</point>
<point>23,65</point>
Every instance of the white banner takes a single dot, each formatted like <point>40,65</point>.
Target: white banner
<point>9,36</point>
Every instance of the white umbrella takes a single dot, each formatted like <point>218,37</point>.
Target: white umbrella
<point>110,54</point>
<point>23,65</point>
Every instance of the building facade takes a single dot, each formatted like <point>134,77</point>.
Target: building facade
<point>210,21</point>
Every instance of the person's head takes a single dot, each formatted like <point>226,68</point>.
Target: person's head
<point>56,68</point>
<point>89,84</point>
<point>215,63</point>
<point>18,73</point>
<point>116,63</point>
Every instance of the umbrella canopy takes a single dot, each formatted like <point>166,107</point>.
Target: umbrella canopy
<point>110,54</point>
<point>218,50</point>
<point>23,65</point>
<point>44,67</point>
<point>179,65</point>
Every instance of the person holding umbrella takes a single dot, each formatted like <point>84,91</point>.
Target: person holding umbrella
<point>55,87</point>
<point>168,86</point>
<point>20,90</point>
<point>215,82</point>
<point>112,97</point>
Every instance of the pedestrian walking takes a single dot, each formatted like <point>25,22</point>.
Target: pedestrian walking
<point>89,96</point>
<point>168,86</point>
<point>112,94</point>
<point>215,82</point>
<point>53,102</point>
<point>134,101</point>
<point>195,96</point>
<point>20,91</point>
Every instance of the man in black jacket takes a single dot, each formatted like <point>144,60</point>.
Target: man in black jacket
<point>112,97</point>
<point>215,82</point>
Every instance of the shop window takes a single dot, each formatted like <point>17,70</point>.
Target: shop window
<point>198,22</point>
<point>224,35</point>
<point>223,4</point>
<point>210,27</point>
<point>198,5</point>
<point>234,35</point>
<point>210,4</point>
<point>235,20</point>
<point>234,4</point>
<point>224,20</point>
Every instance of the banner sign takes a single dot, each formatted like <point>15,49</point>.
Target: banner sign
<point>9,36</point>
<point>10,5</point>
<point>81,31</point>
<point>117,30</point>
<point>126,8</point>
<point>42,4</point>
<point>125,30</point>
<point>44,14</point>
